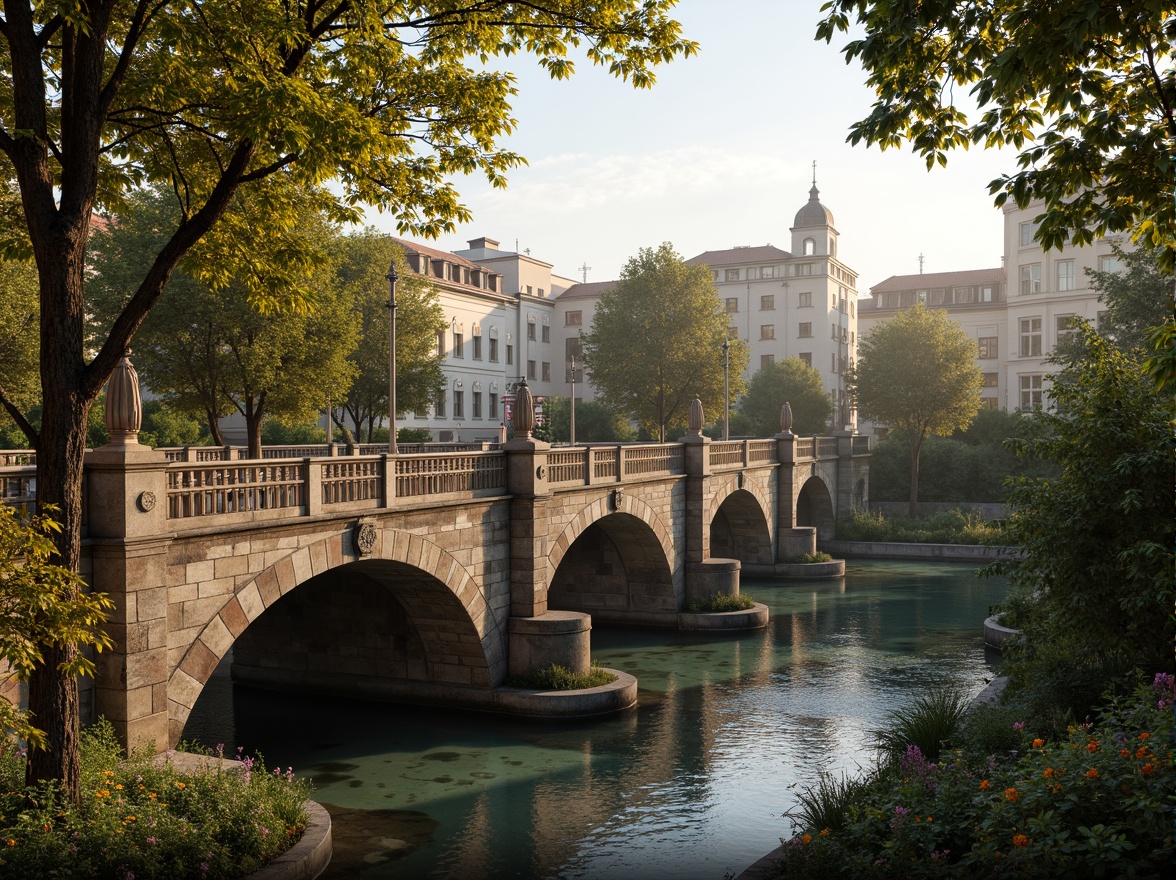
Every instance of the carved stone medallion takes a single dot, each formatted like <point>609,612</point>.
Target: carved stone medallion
<point>365,539</point>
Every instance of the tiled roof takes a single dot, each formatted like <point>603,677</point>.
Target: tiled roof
<point>765,253</point>
<point>434,254</point>
<point>587,289</point>
<point>939,279</point>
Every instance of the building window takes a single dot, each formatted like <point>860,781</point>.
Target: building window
<point>851,308</point>
<point>987,293</point>
<point>573,319</point>
<point>809,248</point>
<point>1031,337</point>
<point>546,371</point>
<point>832,363</point>
<point>1065,326</point>
<point>806,357</point>
<point>805,330</point>
<point>1031,279</point>
<point>989,403</point>
<point>768,303</point>
<point>1065,275</point>
<point>509,353</point>
<point>547,333</point>
<point>530,369</point>
<point>439,405</point>
<point>732,305</point>
<point>477,340</point>
<point>767,331</point>
<point>988,348</point>
<point>991,380</point>
<point>804,269</point>
<point>440,344</point>
<point>767,271</point>
<point>1028,230</point>
<point>493,405</point>
<point>1110,264</point>
<point>752,273</point>
<point>531,331</point>
<point>459,404</point>
<point>806,300</point>
<point>731,275</point>
<point>476,400</point>
<point>459,345</point>
<point>766,360</point>
<point>1031,391</point>
<point>732,332</point>
<point>493,350</point>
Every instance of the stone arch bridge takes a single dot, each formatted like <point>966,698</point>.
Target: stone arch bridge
<point>424,577</point>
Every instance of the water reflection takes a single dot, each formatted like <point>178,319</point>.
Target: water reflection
<point>691,784</point>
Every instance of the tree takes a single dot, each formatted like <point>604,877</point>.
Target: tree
<point>41,604</point>
<point>1084,89</point>
<point>789,381</point>
<point>656,341</point>
<point>595,422</point>
<point>214,99</point>
<point>205,349</point>
<point>917,373</point>
<point>1137,298</point>
<point>1095,571</point>
<point>364,259</point>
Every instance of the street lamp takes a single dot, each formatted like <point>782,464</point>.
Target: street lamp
<point>572,417</point>
<point>726,389</point>
<point>392,277</point>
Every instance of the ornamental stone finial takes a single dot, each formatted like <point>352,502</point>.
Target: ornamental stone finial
<point>523,417</point>
<point>695,422</point>
<point>124,409</point>
<point>786,419</point>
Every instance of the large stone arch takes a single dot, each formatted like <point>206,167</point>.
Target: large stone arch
<point>740,525</point>
<point>478,640</point>
<point>814,507</point>
<point>615,562</point>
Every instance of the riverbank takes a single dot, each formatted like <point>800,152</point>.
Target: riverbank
<point>977,553</point>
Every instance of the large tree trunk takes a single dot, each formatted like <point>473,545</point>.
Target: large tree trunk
<point>214,428</point>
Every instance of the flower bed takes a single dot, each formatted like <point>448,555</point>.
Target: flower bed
<point>1096,803</point>
<point>140,819</point>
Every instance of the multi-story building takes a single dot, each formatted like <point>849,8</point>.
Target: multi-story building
<point>1016,314</point>
<point>499,309</point>
<point>800,303</point>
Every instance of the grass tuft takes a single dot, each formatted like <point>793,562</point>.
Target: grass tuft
<point>560,678</point>
<point>721,602</point>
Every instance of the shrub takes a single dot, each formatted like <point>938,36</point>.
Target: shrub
<point>826,806</point>
<point>1093,803</point>
<point>560,678</point>
<point>948,527</point>
<point>809,558</point>
<point>929,724</point>
<point>140,819</point>
<point>720,602</point>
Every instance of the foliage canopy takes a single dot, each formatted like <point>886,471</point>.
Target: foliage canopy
<point>789,381</point>
<point>656,341</point>
<point>1086,90</point>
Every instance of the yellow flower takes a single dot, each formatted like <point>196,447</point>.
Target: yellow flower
<point>118,787</point>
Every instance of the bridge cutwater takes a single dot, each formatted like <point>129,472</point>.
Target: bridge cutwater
<point>427,576</point>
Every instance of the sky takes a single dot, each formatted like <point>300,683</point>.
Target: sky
<point>719,153</point>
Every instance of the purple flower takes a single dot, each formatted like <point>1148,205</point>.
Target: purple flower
<point>152,840</point>
<point>1018,725</point>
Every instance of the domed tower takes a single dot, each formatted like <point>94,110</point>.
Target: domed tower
<point>812,230</point>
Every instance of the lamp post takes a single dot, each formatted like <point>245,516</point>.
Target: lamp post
<point>392,277</point>
<point>572,417</point>
<point>726,389</point>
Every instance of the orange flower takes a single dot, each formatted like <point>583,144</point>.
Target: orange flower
<point>1048,772</point>
<point>1057,789</point>
<point>1038,743</point>
<point>1147,769</point>
<point>1124,753</point>
<point>118,787</point>
<point>1145,735</point>
<point>1011,794</point>
<point>1092,773</point>
<point>825,832</point>
<point>10,842</point>
<point>1141,752</point>
<point>1020,840</point>
<point>1092,746</point>
<point>181,785</point>
<point>984,785</point>
<point>808,838</point>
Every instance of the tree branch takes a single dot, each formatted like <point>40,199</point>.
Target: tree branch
<point>21,422</point>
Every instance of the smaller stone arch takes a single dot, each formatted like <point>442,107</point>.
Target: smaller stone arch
<point>814,507</point>
<point>597,511</point>
<point>252,599</point>
<point>741,529</point>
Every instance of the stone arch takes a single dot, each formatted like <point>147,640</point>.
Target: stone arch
<point>741,528</point>
<point>597,511</point>
<point>614,561</point>
<point>814,507</point>
<point>393,547</point>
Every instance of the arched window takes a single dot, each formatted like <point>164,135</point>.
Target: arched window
<point>810,247</point>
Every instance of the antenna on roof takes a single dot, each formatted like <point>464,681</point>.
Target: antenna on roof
<point>920,264</point>
<point>814,172</point>
<point>585,269</point>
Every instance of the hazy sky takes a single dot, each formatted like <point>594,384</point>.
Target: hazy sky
<point>719,153</point>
